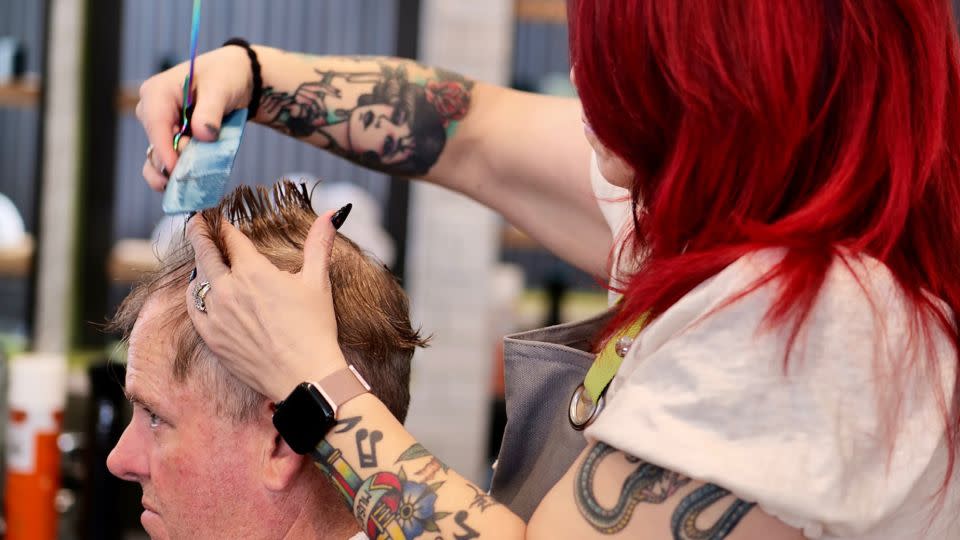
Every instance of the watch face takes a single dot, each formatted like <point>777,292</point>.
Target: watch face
<point>304,418</point>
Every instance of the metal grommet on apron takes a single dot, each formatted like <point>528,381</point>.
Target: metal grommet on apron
<point>584,409</point>
<point>540,442</point>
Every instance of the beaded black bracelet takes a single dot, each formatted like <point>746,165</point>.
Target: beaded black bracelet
<point>257,78</point>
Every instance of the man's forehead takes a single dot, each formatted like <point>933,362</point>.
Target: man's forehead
<point>151,351</point>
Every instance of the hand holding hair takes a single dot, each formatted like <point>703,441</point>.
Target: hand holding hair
<point>272,329</point>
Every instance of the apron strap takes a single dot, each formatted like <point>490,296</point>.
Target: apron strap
<point>608,361</point>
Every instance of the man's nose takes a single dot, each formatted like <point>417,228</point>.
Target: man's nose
<point>128,460</point>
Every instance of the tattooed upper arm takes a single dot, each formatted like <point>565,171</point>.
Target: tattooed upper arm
<point>390,115</point>
<point>614,493</point>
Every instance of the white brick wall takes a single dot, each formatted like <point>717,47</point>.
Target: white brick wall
<point>453,246</point>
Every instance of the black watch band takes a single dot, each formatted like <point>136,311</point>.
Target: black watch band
<point>310,411</point>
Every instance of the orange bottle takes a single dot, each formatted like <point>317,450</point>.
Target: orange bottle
<point>37,396</point>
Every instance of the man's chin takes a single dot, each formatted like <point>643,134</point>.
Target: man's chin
<point>153,525</point>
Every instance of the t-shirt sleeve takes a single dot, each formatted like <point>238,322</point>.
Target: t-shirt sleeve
<point>614,201</point>
<point>704,391</point>
<point>614,204</point>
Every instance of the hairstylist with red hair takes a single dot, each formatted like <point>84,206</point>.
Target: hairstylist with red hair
<point>782,182</point>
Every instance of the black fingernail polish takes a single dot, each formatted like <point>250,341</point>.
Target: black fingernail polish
<point>341,215</point>
<point>193,274</point>
<point>164,171</point>
<point>213,130</point>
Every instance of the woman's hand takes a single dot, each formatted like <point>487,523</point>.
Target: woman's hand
<point>223,82</point>
<point>270,328</point>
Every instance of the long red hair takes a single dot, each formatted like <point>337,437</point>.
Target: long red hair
<point>821,126</point>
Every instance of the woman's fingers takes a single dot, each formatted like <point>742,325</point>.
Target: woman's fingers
<point>222,79</point>
<point>208,114</point>
<point>155,180</point>
<point>209,260</point>
<point>317,250</point>
<point>239,250</point>
<point>160,120</point>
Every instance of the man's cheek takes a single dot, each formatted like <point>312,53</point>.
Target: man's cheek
<point>200,478</point>
<point>178,480</point>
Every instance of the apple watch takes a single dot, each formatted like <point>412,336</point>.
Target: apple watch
<point>310,411</point>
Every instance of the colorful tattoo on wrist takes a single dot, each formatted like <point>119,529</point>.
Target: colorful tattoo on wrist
<point>651,484</point>
<point>383,120</point>
<point>390,505</point>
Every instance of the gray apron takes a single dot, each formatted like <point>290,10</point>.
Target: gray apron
<point>542,369</point>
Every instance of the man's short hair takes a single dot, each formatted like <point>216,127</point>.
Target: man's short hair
<point>372,310</point>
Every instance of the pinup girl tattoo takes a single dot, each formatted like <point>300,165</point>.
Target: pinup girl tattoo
<point>654,485</point>
<point>384,120</point>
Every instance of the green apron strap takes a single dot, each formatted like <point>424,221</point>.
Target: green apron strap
<point>608,361</point>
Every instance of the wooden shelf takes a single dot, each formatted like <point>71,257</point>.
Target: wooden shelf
<point>131,259</point>
<point>26,93</point>
<point>543,11</point>
<point>15,261</point>
<point>20,94</point>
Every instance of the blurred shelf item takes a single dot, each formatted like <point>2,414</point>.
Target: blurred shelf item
<point>531,307</point>
<point>20,93</point>
<point>15,261</point>
<point>130,259</point>
<point>127,99</point>
<point>542,11</point>
<point>513,238</point>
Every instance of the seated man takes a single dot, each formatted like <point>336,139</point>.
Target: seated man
<point>201,444</point>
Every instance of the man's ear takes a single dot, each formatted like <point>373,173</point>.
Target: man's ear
<point>281,466</point>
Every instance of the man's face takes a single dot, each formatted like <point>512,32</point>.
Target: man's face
<point>198,469</point>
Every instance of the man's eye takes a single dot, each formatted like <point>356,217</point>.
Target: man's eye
<point>153,420</point>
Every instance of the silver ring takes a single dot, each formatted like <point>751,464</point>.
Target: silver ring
<point>150,153</point>
<point>200,295</point>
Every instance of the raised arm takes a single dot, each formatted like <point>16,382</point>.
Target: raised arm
<point>521,154</point>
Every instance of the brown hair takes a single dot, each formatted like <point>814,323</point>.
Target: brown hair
<point>372,311</point>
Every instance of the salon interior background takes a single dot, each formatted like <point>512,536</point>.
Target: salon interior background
<point>71,153</point>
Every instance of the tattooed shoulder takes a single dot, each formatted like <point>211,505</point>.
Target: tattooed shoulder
<point>647,483</point>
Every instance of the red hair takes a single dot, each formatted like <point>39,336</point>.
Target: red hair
<point>821,126</point>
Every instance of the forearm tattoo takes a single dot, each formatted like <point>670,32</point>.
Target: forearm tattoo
<point>383,120</point>
<point>651,484</point>
<point>397,506</point>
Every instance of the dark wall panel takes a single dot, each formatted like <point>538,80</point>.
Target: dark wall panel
<point>23,20</point>
<point>158,32</point>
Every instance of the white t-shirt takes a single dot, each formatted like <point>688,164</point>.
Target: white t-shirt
<point>614,203</point>
<point>705,394</point>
